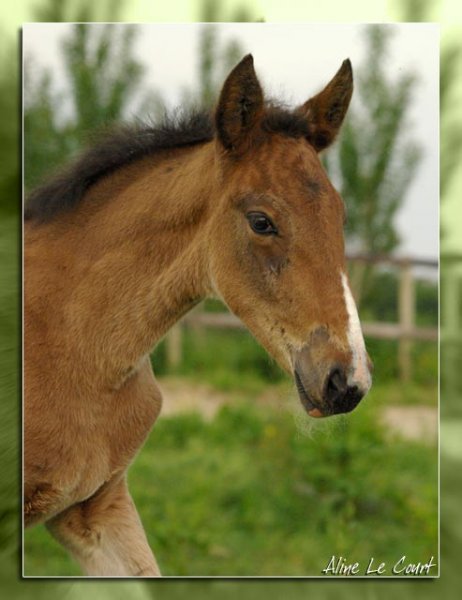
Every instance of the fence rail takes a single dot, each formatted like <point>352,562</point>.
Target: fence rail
<point>384,331</point>
<point>404,331</point>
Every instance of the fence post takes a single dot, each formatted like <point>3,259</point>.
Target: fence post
<point>196,327</point>
<point>406,307</point>
<point>174,344</point>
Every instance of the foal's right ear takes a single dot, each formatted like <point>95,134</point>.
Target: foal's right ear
<point>240,106</point>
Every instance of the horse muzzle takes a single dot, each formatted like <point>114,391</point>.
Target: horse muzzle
<point>326,379</point>
<point>337,396</point>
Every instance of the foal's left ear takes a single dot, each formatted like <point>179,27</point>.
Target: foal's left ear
<point>240,106</point>
<point>325,111</point>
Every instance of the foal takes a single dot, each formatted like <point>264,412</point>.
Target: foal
<point>135,233</point>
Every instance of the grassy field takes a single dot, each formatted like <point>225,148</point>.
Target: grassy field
<point>260,489</point>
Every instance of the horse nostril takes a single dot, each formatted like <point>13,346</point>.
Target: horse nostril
<point>351,399</point>
<point>336,385</point>
<point>339,396</point>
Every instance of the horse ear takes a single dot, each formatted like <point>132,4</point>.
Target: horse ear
<point>325,111</point>
<point>240,106</point>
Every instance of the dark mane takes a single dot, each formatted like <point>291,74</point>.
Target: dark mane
<point>127,144</point>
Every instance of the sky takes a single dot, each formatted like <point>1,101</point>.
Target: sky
<point>294,61</point>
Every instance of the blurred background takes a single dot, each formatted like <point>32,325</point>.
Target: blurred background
<point>228,441</point>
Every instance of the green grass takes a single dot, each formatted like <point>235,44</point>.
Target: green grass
<point>257,491</point>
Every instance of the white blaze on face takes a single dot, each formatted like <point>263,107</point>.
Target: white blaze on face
<point>359,374</point>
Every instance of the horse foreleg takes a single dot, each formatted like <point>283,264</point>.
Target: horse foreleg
<point>105,535</point>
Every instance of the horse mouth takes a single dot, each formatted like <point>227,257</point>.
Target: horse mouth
<point>307,402</point>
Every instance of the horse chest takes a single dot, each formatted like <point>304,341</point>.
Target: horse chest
<point>126,429</point>
<point>131,413</point>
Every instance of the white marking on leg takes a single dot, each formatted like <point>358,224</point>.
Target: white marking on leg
<point>360,374</point>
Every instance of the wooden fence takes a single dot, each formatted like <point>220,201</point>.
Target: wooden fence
<point>405,330</point>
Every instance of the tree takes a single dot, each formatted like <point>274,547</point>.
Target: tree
<point>77,11</point>
<point>103,77</point>
<point>215,57</point>
<point>375,159</point>
<point>450,67</point>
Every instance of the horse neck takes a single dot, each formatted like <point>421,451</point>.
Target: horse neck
<point>142,259</point>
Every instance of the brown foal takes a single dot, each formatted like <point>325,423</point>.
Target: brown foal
<point>136,232</point>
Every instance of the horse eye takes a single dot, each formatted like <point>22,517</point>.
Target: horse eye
<point>261,224</point>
